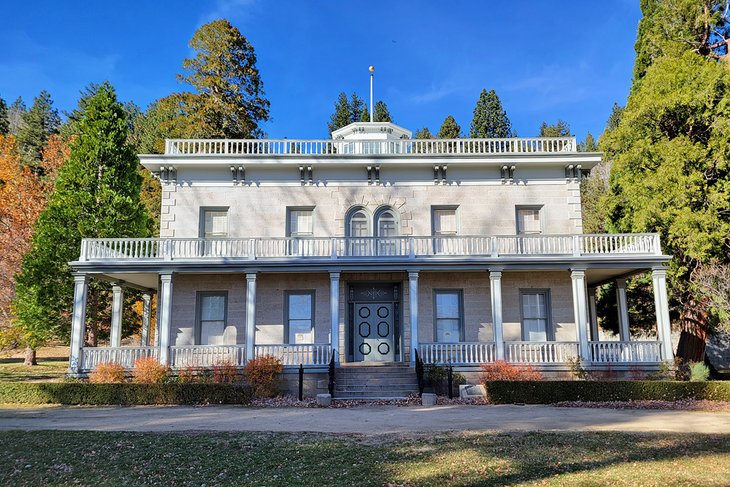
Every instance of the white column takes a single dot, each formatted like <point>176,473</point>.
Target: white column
<point>495,291</point>
<point>78,323</point>
<point>661,302</point>
<point>593,313</point>
<point>165,312</point>
<point>146,318</point>
<point>115,338</point>
<point>623,310</point>
<point>335,313</point>
<point>250,314</point>
<point>413,304</point>
<point>580,311</point>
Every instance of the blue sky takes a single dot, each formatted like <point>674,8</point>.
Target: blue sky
<point>546,59</point>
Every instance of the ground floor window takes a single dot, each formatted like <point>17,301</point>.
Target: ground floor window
<point>448,316</point>
<point>211,327</point>
<point>536,315</point>
<point>299,317</point>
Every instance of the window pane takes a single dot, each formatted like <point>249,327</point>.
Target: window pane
<point>301,222</point>
<point>211,332</point>
<point>386,225</point>
<point>444,222</point>
<point>533,306</point>
<point>447,330</point>
<point>300,331</point>
<point>359,225</point>
<point>528,220</point>
<point>212,308</point>
<point>534,316</point>
<point>300,306</point>
<point>447,305</point>
<point>216,223</point>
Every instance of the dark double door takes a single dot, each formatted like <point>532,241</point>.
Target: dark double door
<point>374,323</point>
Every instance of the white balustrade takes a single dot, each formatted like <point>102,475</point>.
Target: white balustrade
<point>356,247</point>
<point>406,147</point>
<point>294,355</point>
<point>625,352</point>
<point>462,353</point>
<point>183,356</point>
<point>124,356</point>
<point>541,352</point>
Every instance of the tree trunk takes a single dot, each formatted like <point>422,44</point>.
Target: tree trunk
<point>694,323</point>
<point>93,334</point>
<point>30,357</point>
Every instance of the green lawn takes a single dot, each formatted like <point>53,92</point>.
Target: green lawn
<point>100,458</point>
<point>52,365</point>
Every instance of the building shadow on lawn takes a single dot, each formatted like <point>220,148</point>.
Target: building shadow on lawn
<point>595,458</point>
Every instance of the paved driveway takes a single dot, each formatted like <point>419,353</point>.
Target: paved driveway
<point>365,420</point>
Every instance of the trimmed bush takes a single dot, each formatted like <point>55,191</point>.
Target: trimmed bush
<point>225,373</point>
<point>82,393</point>
<point>547,392</point>
<point>147,370</point>
<point>501,370</point>
<point>107,373</point>
<point>263,374</point>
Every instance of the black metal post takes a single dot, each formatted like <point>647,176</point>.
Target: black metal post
<point>331,382</point>
<point>451,382</point>
<point>419,374</point>
<point>301,382</point>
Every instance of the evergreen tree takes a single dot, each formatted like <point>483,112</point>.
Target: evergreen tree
<point>490,120</point>
<point>39,122</point>
<point>15,116</point>
<point>381,113</point>
<point>670,154</point>
<point>449,129</point>
<point>365,117</point>
<point>423,133</point>
<point>588,145</point>
<point>342,115</point>
<point>97,195</point>
<point>614,119</point>
<point>558,129</point>
<point>357,108</point>
<point>229,99</point>
<point>4,122</point>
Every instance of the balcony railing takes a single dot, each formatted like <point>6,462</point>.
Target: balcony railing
<point>406,147</point>
<point>369,247</point>
<point>626,352</point>
<point>316,354</point>
<point>207,355</point>
<point>463,353</point>
<point>125,356</point>
<point>541,352</point>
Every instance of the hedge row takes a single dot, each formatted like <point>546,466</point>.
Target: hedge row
<point>547,392</point>
<point>82,393</point>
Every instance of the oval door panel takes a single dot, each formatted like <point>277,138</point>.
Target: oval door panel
<point>383,312</point>
<point>383,349</point>
<point>364,312</point>
<point>365,348</point>
<point>364,329</point>
<point>383,329</point>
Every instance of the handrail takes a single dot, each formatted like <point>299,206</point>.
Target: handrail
<point>370,147</point>
<point>102,249</point>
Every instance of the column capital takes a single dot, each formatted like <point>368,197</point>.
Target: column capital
<point>117,286</point>
<point>659,272</point>
<point>146,296</point>
<point>577,273</point>
<point>495,275</point>
<point>251,276</point>
<point>81,278</point>
<point>334,275</point>
<point>413,275</point>
<point>621,282</point>
<point>167,277</point>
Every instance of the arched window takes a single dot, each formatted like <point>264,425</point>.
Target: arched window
<point>386,227</point>
<point>358,231</point>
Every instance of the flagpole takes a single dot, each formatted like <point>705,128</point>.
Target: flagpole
<point>372,69</point>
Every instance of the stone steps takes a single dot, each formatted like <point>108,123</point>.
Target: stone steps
<point>383,381</point>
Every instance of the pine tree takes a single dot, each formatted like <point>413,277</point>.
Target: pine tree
<point>381,113</point>
<point>558,129</point>
<point>588,145</point>
<point>449,129</point>
<point>490,120</point>
<point>39,122</point>
<point>16,111</point>
<point>365,117</point>
<point>4,122</point>
<point>342,115</point>
<point>423,133</point>
<point>97,195</point>
<point>357,108</point>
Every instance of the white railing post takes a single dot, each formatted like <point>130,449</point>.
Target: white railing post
<point>250,314</point>
<point>661,303</point>
<point>165,296</point>
<point>411,248</point>
<point>115,338</point>
<point>252,249</point>
<point>335,313</point>
<point>78,323</point>
<point>495,292</point>
<point>580,311</point>
<point>413,311</point>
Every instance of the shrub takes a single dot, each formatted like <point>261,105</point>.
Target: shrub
<point>83,393</point>
<point>437,377</point>
<point>147,370</point>
<point>501,370</point>
<point>187,375</point>
<point>225,373</point>
<point>107,373</point>
<point>262,374</point>
<point>576,368</point>
<point>698,372</point>
<point>547,392</point>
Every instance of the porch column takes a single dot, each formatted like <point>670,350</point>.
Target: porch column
<point>165,312</point>
<point>413,304</point>
<point>580,311</point>
<point>623,310</point>
<point>495,291</point>
<point>593,313</point>
<point>115,338</point>
<point>663,325</point>
<point>78,323</point>
<point>146,318</point>
<point>335,313</point>
<point>250,314</point>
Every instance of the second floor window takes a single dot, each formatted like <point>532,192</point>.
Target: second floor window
<point>528,220</point>
<point>444,221</point>
<point>214,223</point>
<point>301,222</point>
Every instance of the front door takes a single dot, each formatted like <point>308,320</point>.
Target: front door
<point>374,326</point>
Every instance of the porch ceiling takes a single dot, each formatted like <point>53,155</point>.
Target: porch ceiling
<point>139,280</point>
<point>595,277</point>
